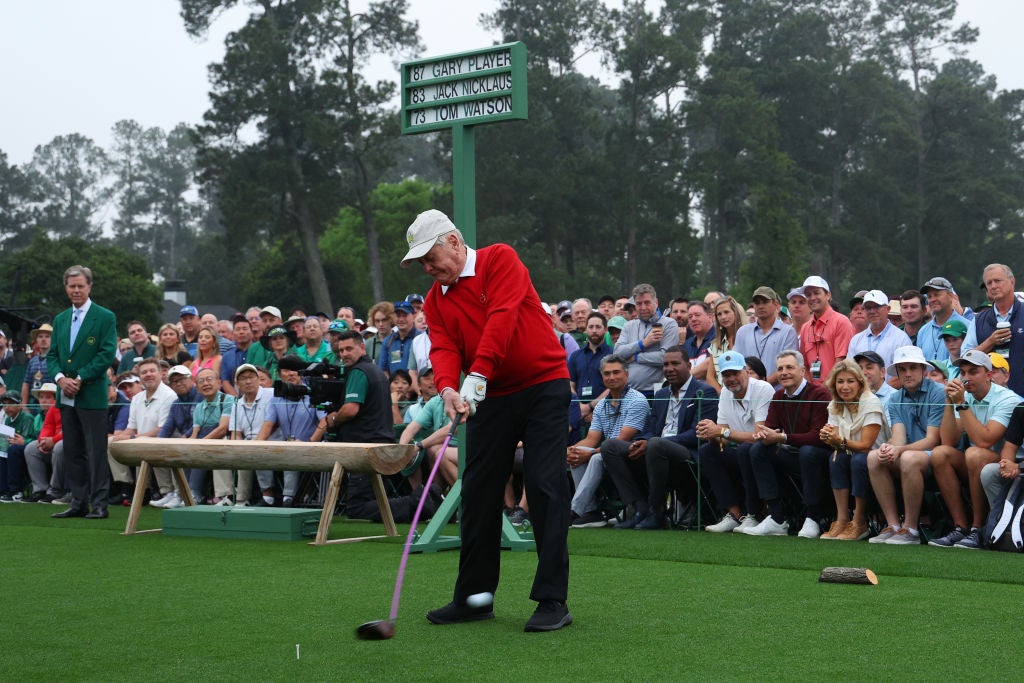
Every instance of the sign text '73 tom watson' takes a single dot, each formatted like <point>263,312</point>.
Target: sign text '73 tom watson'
<point>467,88</point>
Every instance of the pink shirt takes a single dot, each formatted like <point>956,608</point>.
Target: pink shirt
<point>826,339</point>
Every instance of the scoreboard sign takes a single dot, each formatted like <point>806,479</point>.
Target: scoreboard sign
<point>468,88</point>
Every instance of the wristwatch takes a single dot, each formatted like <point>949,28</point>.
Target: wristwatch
<point>725,433</point>
<point>962,406</point>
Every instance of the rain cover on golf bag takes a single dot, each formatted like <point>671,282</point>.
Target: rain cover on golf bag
<point>1003,530</point>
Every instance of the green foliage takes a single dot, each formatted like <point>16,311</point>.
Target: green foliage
<point>122,282</point>
<point>344,246</point>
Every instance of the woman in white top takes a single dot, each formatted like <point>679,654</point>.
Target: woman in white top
<point>856,424</point>
<point>729,317</point>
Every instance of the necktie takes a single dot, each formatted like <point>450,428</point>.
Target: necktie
<point>76,323</point>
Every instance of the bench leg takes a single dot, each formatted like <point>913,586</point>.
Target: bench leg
<point>385,507</point>
<point>141,477</point>
<point>330,501</point>
<point>186,492</point>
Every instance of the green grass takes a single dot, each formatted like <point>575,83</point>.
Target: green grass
<point>85,603</point>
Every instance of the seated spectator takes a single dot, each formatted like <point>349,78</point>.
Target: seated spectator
<point>768,335</point>
<point>402,394</point>
<point>615,325</point>
<point>170,347</point>
<point>427,392</point>
<point>247,417</point>
<point>873,368</point>
<point>725,457</point>
<point>207,352</point>
<point>12,467</point>
<point>976,407</point>
<point>880,336</point>
<point>856,425</point>
<point>296,419</point>
<point>790,442</point>
<point>621,415</point>
<point>756,369</point>
<point>939,371</point>
<point>210,420</point>
<point>996,477</point>
<point>44,457</point>
<point>118,411</point>
<point>643,467</point>
<point>433,424</point>
<point>915,415</point>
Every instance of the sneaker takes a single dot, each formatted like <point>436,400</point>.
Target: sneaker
<point>883,535</point>
<point>632,521</point>
<point>746,522</point>
<point>724,525</point>
<point>904,537</point>
<point>174,501</point>
<point>6,498</point>
<point>518,516</point>
<point>854,532</point>
<point>242,504</point>
<point>550,615</point>
<point>810,529</point>
<point>287,501</point>
<point>834,530</point>
<point>223,501</point>
<point>20,498</point>
<point>162,500</point>
<point>971,541</point>
<point>652,522</point>
<point>769,527</point>
<point>46,498</point>
<point>951,539</point>
<point>590,520</point>
<point>64,499</point>
<point>455,614</point>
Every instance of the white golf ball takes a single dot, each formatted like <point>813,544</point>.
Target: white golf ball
<point>480,599</point>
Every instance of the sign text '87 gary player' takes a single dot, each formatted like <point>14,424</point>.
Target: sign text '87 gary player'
<point>467,88</point>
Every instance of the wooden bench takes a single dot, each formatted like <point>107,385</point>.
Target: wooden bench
<point>366,458</point>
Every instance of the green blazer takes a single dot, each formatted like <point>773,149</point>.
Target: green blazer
<point>93,352</point>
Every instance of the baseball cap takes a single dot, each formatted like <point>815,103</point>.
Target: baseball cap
<point>999,361</point>
<point>128,379</point>
<point>11,397</point>
<point>52,388</point>
<point>245,367</point>
<point>295,319</point>
<point>731,360</point>
<point>188,310</point>
<point>404,307</point>
<point>940,365</point>
<point>179,370</point>
<point>765,292</point>
<point>954,328</point>
<point>616,321</point>
<point>816,281</point>
<point>877,297</point>
<point>858,298</point>
<point>906,354</point>
<point>276,330</point>
<point>871,357</point>
<point>424,231</point>
<point>784,310</point>
<point>271,310</point>
<point>796,291</point>
<point>414,298</point>
<point>975,357</point>
<point>937,283</point>
<point>338,326</point>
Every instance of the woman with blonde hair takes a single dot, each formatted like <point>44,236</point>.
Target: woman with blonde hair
<point>170,348</point>
<point>729,317</point>
<point>856,424</point>
<point>207,351</point>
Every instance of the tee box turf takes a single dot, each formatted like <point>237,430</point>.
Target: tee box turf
<point>260,523</point>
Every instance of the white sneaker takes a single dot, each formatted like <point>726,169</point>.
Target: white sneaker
<point>726,524</point>
<point>810,529</point>
<point>224,501</point>
<point>162,500</point>
<point>174,502</point>
<point>746,522</point>
<point>883,536</point>
<point>769,527</point>
<point>242,504</point>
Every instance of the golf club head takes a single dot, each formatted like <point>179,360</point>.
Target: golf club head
<point>376,630</point>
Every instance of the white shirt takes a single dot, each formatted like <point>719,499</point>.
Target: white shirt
<point>147,415</point>
<point>249,417</point>
<point>742,414</point>
<point>468,270</point>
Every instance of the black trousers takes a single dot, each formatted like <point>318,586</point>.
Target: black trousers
<point>85,456</point>
<point>724,468</point>
<point>537,417</point>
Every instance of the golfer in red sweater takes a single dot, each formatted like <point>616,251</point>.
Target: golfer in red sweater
<point>486,320</point>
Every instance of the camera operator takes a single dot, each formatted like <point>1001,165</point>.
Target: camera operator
<point>291,413</point>
<point>363,417</point>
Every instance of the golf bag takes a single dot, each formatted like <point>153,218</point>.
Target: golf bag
<point>1003,529</point>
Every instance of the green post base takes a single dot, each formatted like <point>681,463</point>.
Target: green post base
<point>433,539</point>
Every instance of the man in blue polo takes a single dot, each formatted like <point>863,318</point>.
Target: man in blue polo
<point>767,335</point>
<point>585,366</point>
<point>940,303</point>
<point>880,336</point>
<point>397,346</point>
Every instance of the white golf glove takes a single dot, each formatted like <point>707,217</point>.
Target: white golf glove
<point>474,390</point>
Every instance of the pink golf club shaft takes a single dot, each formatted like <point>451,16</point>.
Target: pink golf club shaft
<point>416,518</point>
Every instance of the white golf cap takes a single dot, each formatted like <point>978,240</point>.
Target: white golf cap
<point>877,297</point>
<point>271,310</point>
<point>49,386</point>
<point>179,370</point>
<point>818,281</point>
<point>906,354</point>
<point>424,231</point>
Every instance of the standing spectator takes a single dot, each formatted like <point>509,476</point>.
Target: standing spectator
<point>826,338</point>
<point>643,342</point>
<point>766,337</point>
<point>856,425</point>
<point>799,312</point>
<point>84,345</point>
<point>235,357</point>
<point>37,372</point>
<point>940,303</point>
<point>190,325</point>
<point>315,348</point>
<point>989,331</point>
<point>858,316</point>
<point>881,336</point>
<point>913,312</point>
<point>581,308</point>
<point>207,352</point>
<point>585,367</point>
<point>698,316</point>
<point>382,318</point>
<point>729,317</point>
<point>398,345</point>
<point>141,347</point>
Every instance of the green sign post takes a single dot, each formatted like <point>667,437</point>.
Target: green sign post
<point>461,91</point>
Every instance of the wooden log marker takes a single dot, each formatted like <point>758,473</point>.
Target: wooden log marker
<point>374,459</point>
<point>848,575</point>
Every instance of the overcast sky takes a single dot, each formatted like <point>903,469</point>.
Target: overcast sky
<point>81,65</point>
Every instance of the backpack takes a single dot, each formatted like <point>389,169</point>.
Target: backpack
<point>1002,531</point>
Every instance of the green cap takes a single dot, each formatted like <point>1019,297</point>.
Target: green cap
<point>617,321</point>
<point>954,327</point>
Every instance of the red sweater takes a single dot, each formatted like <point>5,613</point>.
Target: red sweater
<point>492,323</point>
<point>802,416</point>
<point>52,426</point>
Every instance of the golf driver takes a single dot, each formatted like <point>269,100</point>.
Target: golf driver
<point>385,629</point>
